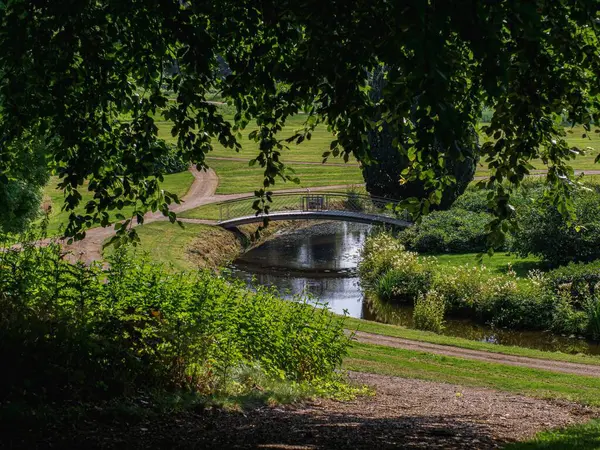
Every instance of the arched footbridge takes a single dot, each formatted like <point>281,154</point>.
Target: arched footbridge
<point>349,207</point>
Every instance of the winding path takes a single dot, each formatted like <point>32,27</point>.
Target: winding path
<point>202,192</point>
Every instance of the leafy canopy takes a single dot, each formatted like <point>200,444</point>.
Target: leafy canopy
<point>93,75</point>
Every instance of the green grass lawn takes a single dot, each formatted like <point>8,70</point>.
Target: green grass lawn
<point>310,150</point>
<point>498,263</point>
<point>590,144</point>
<point>519,380</point>
<point>433,338</point>
<point>169,244</point>
<point>237,177</point>
<point>577,437</point>
<point>177,183</point>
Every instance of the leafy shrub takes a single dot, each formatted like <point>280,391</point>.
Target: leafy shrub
<point>593,317</point>
<point>462,286</point>
<point>564,300</point>
<point>453,231</point>
<point>82,333</point>
<point>544,232</point>
<point>474,200</point>
<point>429,310</point>
<point>169,160</point>
<point>403,285</point>
<point>580,279</point>
<point>392,271</point>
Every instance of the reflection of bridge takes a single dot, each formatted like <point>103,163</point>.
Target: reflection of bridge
<point>349,207</point>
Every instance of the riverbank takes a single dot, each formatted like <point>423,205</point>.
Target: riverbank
<point>202,246</point>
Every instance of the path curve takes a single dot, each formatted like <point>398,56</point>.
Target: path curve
<point>479,355</point>
<point>201,192</point>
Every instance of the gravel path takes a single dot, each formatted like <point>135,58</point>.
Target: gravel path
<point>522,361</point>
<point>409,414</point>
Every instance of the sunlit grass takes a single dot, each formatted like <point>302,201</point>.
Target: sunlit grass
<point>519,380</point>
<point>177,183</point>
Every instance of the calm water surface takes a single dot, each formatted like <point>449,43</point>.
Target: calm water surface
<point>321,260</point>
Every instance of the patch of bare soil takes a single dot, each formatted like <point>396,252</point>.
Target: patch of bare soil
<point>404,413</point>
<point>479,355</point>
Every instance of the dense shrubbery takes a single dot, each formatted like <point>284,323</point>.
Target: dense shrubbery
<point>429,311</point>
<point>169,160</point>
<point>545,233</point>
<point>565,300</point>
<point>453,231</point>
<point>69,332</point>
<point>542,230</point>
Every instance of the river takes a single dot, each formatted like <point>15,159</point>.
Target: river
<point>320,261</point>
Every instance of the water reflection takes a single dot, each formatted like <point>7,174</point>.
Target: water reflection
<point>321,260</point>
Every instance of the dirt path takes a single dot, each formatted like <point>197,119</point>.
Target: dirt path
<point>404,413</point>
<point>201,192</point>
<point>522,361</point>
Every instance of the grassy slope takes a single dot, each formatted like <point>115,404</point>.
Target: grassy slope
<point>236,176</point>
<point>425,336</point>
<point>177,183</point>
<point>166,243</point>
<point>520,380</point>
<point>578,437</point>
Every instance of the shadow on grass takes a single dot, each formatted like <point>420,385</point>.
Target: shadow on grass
<point>579,437</point>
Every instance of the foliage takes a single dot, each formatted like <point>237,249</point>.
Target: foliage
<point>384,176</point>
<point>429,310</point>
<point>560,301</point>
<point>452,231</point>
<point>170,161</point>
<point>578,278</point>
<point>394,272</point>
<point>593,313</point>
<point>90,333</point>
<point>543,232</point>
<point>95,76</point>
<point>21,191</point>
<point>403,284</point>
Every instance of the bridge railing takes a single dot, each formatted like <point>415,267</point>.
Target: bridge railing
<point>314,201</point>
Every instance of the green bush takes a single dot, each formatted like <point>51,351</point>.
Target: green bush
<point>403,285</point>
<point>579,278</point>
<point>544,232</point>
<point>396,274</point>
<point>429,311</point>
<point>563,301</point>
<point>593,317</point>
<point>453,231</point>
<point>75,333</point>
<point>169,160</point>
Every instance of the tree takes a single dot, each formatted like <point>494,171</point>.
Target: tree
<point>21,194</point>
<point>383,175</point>
<point>75,68</point>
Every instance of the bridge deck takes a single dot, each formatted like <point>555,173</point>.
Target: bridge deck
<point>348,216</point>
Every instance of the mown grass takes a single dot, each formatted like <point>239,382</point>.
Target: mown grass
<point>310,150</point>
<point>496,264</point>
<point>238,177</point>
<point>170,244</point>
<point>433,338</point>
<point>577,437</point>
<point>177,183</point>
<point>519,380</point>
